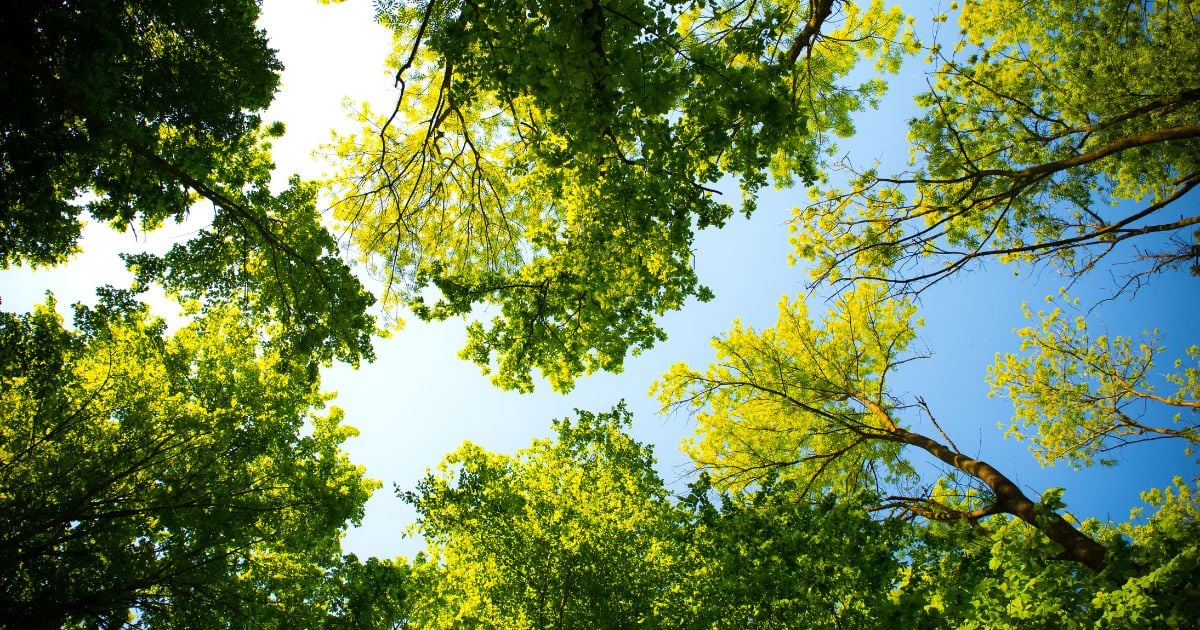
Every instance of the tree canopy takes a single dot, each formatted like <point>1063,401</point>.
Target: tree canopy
<point>1083,396</point>
<point>567,533</point>
<point>555,159</point>
<point>1052,131</point>
<point>578,532</point>
<point>159,473</point>
<point>134,111</point>
<point>813,401</point>
<point>183,478</point>
<point>104,97</point>
<point>543,173</point>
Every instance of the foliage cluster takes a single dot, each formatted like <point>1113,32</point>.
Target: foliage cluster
<point>1052,132</point>
<point>162,473</point>
<point>555,158</point>
<point>578,531</point>
<point>187,478</point>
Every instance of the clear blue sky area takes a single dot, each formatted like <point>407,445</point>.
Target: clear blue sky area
<point>418,401</point>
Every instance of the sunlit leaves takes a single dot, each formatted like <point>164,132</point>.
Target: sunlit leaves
<point>137,112</point>
<point>803,397</point>
<point>1163,595</point>
<point>1044,122</point>
<point>290,273</point>
<point>555,158</point>
<point>569,532</point>
<point>1078,395</point>
<point>148,471</point>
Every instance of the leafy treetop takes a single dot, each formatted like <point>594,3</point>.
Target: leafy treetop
<point>1053,131</point>
<point>100,93</point>
<point>1078,397</point>
<point>160,473</point>
<point>132,111</point>
<point>570,532</point>
<point>810,402</point>
<point>554,158</point>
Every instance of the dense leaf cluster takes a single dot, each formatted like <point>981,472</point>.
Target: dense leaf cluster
<point>555,158</point>
<point>134,111</point>
<point>577,532</point>
<point>162,473</point>
<point>170,479</point>
<point>97,92</point>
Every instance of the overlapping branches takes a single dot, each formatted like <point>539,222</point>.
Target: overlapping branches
<point>810,403</point>
<point>1021,145</point>
<point>556,160</point>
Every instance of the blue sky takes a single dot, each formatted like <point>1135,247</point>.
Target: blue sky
<point>418,401</point>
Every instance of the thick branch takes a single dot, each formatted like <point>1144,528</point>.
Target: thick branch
<point>1009,499</point>
<point>934,511</point>
<point>821,10</point>
<point>1117,146</point>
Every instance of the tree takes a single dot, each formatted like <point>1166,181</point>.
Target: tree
<point>580,532</point>
<point>293,591</point>
<point>133,111</point>
<point>569,533</point>
<point>291,274</point>
<point>104,95</point>
<point>1041,115</point>
<point>160,474</point>
<point>957,578</point>
<point>1052,131</point>
<point>810,402</point>
<point>1085,396</point>
<point>528,541</point>
<point>555,158</point>
<point>770,559</point>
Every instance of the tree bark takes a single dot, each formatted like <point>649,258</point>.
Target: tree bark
<point>1076,545</point>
